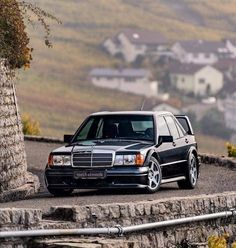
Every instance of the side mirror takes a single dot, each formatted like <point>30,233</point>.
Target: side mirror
<point>165,139</point>
<point>68,138</point>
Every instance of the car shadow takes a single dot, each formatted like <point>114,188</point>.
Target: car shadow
<point>113,192</point>
<point>104,192</point>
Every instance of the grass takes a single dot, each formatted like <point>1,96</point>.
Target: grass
<point>56,90</point>
<point>212,145</point>
<point>61,109</point>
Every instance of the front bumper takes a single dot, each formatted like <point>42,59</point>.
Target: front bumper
<point>115,177</point>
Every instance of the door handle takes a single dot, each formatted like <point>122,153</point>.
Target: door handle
<point>174,144</point>
<point>186,141</point>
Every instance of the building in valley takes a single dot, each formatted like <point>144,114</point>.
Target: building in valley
<point>135,81</point>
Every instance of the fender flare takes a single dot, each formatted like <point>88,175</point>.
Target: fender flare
<point>193,149</point>
<point>151,153</point>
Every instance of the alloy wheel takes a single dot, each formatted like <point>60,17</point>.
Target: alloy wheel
<point>193,170</point>
<point>154,176</point>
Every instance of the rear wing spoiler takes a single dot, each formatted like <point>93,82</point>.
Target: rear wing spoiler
<point>185,123</point>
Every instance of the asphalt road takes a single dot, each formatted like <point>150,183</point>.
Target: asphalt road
<point>213,179</point>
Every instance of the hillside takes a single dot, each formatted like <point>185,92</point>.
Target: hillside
<point>56,91</point>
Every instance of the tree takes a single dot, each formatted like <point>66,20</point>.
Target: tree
<point>15,53</point>
<point>14,40</point>
<point>213,124</point>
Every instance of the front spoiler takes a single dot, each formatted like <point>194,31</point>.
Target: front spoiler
<point>63,178</point>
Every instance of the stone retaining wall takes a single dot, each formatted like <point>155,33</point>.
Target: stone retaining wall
<point>218,161</point>
<point>125,214</point>
<point>13,167</point>
<point>43,139</point>
<point>19,219</point>
<point>12,153</point>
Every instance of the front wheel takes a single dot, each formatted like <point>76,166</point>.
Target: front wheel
<point>60,192</point>
<point>191,175</point>
<point>154,176</point>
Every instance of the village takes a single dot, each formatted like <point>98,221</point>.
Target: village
<point>185,76</point>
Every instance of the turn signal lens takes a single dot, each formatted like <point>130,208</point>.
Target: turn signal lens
<point>50,160</point>
<point>139,160</point>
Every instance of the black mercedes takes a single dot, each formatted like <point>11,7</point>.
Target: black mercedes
<point>129,149</point>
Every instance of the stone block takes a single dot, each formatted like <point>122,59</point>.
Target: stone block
<point>5,217</point>
<point>114,211</point>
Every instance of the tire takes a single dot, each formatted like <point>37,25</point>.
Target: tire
<point>60,192</point>
<point>154,176</point>
<point>191,174</point>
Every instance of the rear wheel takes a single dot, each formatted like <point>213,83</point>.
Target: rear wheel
<point>191,174</point>
<point>154,176</point>
<point>60,192</point>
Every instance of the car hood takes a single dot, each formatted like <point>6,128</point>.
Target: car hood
<point>106,145</point>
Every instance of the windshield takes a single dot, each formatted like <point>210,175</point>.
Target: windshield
<point>138,127</point>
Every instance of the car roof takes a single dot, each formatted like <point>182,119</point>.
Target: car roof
<point>132,113</point>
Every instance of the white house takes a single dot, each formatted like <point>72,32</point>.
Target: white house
<point>231,46</point>
<point>113,46</point>
<point>200,51</point>
<point>167,107</point>
<point>196,79</point>
<point>134,43</point>
<point>135,81</point>
<point>230,111</point>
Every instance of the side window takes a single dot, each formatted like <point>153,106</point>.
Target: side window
<point>184,122</point>
<point>173,129</point>
<point>180,130</point>
<point>162,126</point>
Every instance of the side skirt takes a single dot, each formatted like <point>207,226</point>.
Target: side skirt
<point>174,179</point>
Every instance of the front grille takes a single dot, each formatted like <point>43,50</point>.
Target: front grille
<point>92,159</point>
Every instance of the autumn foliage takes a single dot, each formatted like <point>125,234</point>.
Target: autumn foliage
<point>14,40</point>
<point>30,126</point>
<point>221,242</point>
<point>231,151</point>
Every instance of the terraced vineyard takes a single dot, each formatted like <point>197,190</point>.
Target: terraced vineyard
<point>56,90</point>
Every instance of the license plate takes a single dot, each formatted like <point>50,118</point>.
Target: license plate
<point>89,174</point>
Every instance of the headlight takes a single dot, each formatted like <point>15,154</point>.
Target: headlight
<point>129,160</point>
<point>119,160</point>
<point>59,160</point>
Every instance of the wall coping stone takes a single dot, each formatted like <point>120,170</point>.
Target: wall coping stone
<point>133,213</point>
<point>218,160</point>
<point>43,139</point>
